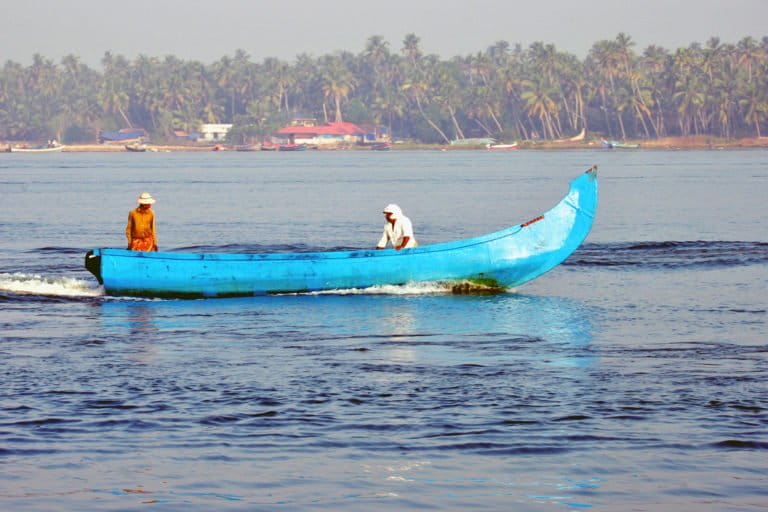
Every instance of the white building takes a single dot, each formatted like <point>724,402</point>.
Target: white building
<point>214,132</point>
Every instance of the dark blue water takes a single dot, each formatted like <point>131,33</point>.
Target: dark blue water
<point>632,377</point>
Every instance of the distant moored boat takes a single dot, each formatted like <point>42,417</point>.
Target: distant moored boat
<point>618,145</point>
<point>292,147</point>
<point>248,147</point>
<point>502,147</point>
<point>37,149</point>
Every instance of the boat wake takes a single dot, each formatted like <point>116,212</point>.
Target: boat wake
<point>37,285</point>
<point>421,288</point>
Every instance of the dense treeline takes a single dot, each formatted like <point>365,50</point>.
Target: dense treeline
<point>504,92</point>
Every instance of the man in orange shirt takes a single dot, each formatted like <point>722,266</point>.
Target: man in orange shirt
<point>141,225</point>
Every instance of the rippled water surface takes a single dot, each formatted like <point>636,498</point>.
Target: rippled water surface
<point>632,377</point>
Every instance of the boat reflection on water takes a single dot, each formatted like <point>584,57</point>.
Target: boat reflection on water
<point>492,330</point>
<point>135,322</point>
<point>433,328</point>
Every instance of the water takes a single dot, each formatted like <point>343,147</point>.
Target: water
<point>632,377</point>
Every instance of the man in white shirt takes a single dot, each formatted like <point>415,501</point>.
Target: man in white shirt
<point>397,230</point>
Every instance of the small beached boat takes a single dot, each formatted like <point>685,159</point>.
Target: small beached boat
<point>381,146</point>
<point>499,260</point>
<point>475,141</point>
<point>614,144</point>
<point>576,138</point>
<point>292,147</point>
<point>502,147</point>
<point>269,146</point>
<point>37,149</point>
<point>136,148</point>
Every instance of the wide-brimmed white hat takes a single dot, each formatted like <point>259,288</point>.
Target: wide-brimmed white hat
<point>392,208</point>
<point>145,198</point>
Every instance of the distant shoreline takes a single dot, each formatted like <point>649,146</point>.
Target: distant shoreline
<point>665,143</point>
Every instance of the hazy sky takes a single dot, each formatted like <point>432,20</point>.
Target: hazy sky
<point>208,30</point>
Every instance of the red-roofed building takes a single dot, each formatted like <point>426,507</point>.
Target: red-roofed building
<point>305,132</point>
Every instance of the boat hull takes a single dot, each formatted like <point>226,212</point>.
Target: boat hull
<point>502,147</point>
<point>54,149</point>
<point>503,259</point>
<point>618,145</point>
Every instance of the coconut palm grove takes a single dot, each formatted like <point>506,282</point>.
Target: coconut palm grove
<point>506,92</point>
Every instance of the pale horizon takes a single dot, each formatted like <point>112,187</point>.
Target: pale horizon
<point>206,32</point>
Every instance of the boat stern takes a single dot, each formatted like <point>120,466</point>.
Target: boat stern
<point>93,263</point>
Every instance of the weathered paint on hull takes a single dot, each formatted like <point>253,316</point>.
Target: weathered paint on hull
<point>506,258</point>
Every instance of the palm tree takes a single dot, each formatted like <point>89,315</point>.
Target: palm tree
<point>43,83</point>
<point>656,62</point>
<point>498,53</point>
<point>378,80</point>
<point>448,93</point>
<point>725,106</point>
<point>510,87</point>
<point>411,48</point>
<point>279,80</point>
<point>754,105</point>
<point>305,86</point>
<point>210,110</point>
<point>225,73</point>
<point>338,83</point>
<point>483,91</point>
<point>376,53</point>
<point>16,116</point>
<point>604,59</point>
<point>418,90</point>
<point>623,49</point>
<point>241,81</point>
<point>711,56</point>
<point>112,93</point>
<point>749,55</point>
<point>393,80</point>
<point>575,88</point>
<point>77,97</point>
<point>690,100</point>
<point>541,101</point>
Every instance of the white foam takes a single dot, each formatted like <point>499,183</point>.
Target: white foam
<point>422,288</point>
<point>391,289</point>
<point>33,284</point>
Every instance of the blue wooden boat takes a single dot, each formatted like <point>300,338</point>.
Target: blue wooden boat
<point>499,260</point>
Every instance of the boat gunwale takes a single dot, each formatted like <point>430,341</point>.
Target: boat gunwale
<point>319,255</point>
